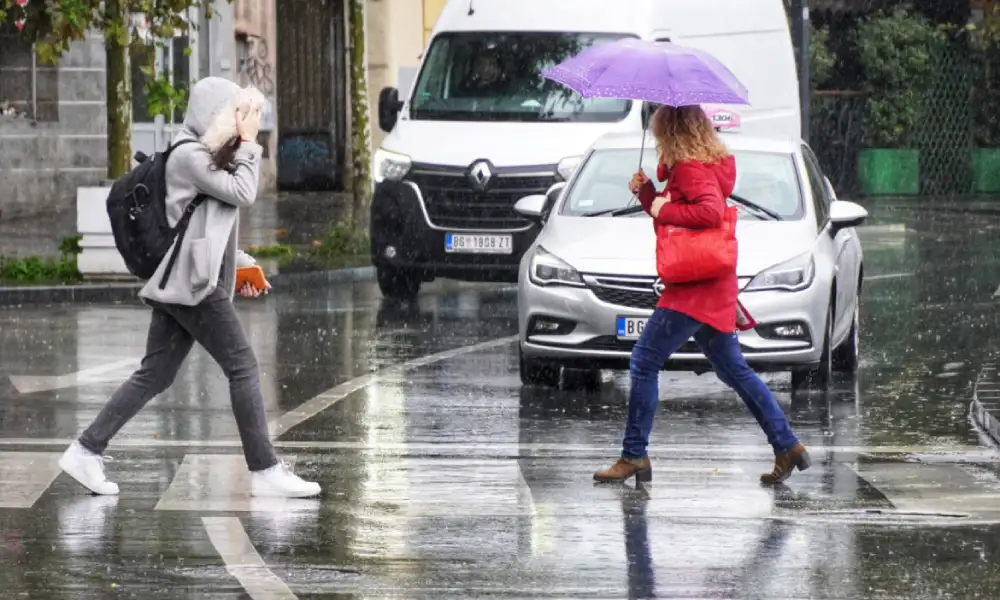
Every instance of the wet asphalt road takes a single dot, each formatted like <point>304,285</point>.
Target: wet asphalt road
<point>444,478</point>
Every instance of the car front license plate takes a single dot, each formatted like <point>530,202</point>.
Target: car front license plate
<point>630,328</point>
<point>478,243</point>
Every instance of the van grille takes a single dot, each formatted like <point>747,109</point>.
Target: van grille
<point>451,201</point>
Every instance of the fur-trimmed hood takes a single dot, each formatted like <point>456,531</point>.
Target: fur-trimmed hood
<point>211,111</point>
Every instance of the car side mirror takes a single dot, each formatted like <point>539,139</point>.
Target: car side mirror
<point>829,188</point>
<point>551,197</point>
<point>844,215</point>
<point>388,108</point>
<point>532,207</point>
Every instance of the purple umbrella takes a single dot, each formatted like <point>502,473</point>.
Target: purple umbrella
<point>659,72</point>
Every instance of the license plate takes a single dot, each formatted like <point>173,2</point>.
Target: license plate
<point>476,243</point>
<point>630,328</point>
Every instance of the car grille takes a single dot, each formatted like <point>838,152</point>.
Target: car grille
<point>612,344</point>
<point>631,292</point>
<point>451,201</point>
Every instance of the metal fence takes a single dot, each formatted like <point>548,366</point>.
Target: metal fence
<point>955,133</point>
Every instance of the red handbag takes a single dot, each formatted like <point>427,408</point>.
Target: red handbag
<point>689,255</point>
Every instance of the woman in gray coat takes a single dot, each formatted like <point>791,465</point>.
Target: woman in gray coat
<point>196,304</point>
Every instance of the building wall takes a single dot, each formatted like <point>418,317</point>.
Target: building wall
<point>256,52</point>
<point>395,39</point>
<point>43,161</point>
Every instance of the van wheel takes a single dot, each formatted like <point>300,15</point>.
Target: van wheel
<point>847,356</point>
<point>536,372</point>
<point>397,284</point>
<point>821,375</point>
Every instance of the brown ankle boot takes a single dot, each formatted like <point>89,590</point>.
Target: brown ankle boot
<point>625,468</point>
<point>785,463</point>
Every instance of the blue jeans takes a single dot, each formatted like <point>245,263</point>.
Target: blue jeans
<point>665,332</point>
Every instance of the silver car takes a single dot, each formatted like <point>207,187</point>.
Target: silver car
<point>588,283</point>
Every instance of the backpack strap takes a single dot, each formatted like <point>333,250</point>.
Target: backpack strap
<point>179,231</point>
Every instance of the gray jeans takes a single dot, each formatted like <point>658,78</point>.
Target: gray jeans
<point>172,332</point>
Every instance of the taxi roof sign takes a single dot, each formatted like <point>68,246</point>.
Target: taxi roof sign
<point>723,118</point>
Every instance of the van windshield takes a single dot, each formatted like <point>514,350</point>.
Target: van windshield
<point>495,76</point>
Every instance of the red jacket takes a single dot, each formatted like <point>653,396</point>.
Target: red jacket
<point>698,193</point>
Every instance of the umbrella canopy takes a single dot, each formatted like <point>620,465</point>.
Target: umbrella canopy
<point>660,72</point>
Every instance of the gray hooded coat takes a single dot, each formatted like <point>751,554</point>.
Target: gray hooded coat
<point>211,236</point>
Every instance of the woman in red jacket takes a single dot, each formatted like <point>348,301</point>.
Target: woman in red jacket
<point>701,175</point>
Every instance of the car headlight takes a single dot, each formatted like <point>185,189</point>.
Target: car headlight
<point>548,269</point>
<point>567,165</point>
<point>390,165</point>
<point>792,275</point>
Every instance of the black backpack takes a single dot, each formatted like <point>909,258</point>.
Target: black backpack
<point>138,212</point>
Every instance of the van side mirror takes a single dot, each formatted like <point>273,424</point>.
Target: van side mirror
<point>388,108</point>
<point>844,215</point>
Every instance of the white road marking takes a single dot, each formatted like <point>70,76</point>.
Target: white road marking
<point>24,477</point>
<point>318,404</point>
<point>243,561</point>
<point>29,384</point>
<point>932,489</point>
<point>221,482</point>
<point>888,276</point>
<point>734,451</point>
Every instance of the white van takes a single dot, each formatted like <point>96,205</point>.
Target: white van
<point>481,129</point>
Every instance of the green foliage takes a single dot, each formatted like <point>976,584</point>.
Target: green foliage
<point>38,270</point>
<point>52,25</point>
<point>162,98</point>
<point>822,60</point>
<point>895,51</point>
<point>343,239</point>
<point>272,251</point>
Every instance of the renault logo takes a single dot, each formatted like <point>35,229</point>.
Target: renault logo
<point>480,173</point>
<point>658,287</point>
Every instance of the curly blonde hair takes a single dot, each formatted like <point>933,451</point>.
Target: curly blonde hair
<point>686,133</point>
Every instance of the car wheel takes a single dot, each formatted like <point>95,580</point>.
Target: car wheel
<point>581,379</point>
<point>847,356</point>
<point>536,372</point>
<point>820,375</point>
<point>397,283</point>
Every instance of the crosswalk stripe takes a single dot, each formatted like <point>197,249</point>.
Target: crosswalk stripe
<point>221,482</point>
<point>931,489</point>
<point>242,560</point>
<point>24,477</point>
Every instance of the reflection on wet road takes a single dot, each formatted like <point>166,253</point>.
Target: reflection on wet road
<point>445,478</point>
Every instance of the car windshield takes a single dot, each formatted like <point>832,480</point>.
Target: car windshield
<point>484,76</point>
<point>767,179</point>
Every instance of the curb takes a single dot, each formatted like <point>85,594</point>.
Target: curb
<point>985,406</point>
<point>127,293</point>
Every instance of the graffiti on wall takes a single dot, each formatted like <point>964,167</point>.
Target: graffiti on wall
<point>305,161</point>
<point>255,66</point>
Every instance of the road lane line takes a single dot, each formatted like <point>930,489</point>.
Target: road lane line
<point>888,276</point>
<point>325,400</point>
<point>974,453</point>
<point>29,384</point>
<point>24,477</point>
<point>243,561</point>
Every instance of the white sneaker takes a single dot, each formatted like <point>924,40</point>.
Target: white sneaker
<point>88,469</point>
<point>280,482</point>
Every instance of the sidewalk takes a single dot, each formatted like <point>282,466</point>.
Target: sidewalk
<point>299,217</point>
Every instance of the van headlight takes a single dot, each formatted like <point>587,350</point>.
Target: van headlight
<point>548,269</point>
<point>567,166</point>
<point>792,275</point>
<point>390,165</point>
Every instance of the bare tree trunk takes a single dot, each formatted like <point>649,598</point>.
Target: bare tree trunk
<point>360,136</point>
<point>119,86</point>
